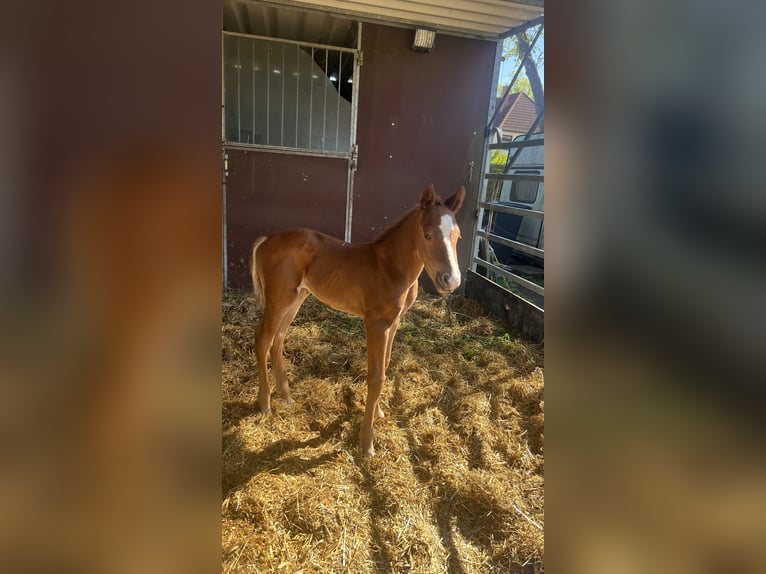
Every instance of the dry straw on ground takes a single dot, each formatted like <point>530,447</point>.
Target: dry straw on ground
<point>456,484</point>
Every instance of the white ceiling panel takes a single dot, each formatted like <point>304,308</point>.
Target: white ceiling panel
<point>481,18</point>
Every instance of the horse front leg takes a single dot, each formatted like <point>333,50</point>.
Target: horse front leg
<point>412,294</point>
<point>390,334</point>
<point>377,338</point>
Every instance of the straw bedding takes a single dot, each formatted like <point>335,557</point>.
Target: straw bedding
<point>456,484</point>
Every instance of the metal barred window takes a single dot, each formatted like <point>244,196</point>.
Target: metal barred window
<point>287,94</point>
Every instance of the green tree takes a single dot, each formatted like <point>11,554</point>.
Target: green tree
<point>522,85</point>
<point>516,50</point>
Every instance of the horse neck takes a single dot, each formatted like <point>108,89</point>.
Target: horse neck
<point>398,248</point>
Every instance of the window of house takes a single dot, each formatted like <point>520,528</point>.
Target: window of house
<point>287,94</point>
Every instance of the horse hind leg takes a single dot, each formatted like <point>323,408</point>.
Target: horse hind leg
<point>264,337</point>
<point>278,347</point>
<point>278,313</point>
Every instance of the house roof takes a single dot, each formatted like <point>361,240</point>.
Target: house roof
<point>517,113</point>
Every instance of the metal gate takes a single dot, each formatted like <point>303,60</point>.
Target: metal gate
<point>489,236</point>
<point>505,195</point>
<point>288,121</point>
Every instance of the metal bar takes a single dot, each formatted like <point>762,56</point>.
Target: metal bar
<point>497,65</point>
<point>324,83</point>
<point>224,227</point>
<point>352,134</point>
<point>519,143</point>
<point>307,44</point>
<point>349,201</point>
<point>337,111</point>
<point>297,90</point>
<point>239,95</point>
<point>527,167</point>
<point>528,249</point>
<point>224,231</point>
<point>513,210</point>
<point>223,89</point>
<point>282,110</point>
<point>287,150</point>
<point>253,92</point>
<point>514,177</point>
<point>311,95</point>
<point>534,287</point>
<point>486,157</point>
<point>521,27</point>
<point>268,93</point>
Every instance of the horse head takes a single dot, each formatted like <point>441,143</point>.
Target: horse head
<point>438,237</point>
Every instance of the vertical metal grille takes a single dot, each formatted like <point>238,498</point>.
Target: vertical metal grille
<point>294,95</point>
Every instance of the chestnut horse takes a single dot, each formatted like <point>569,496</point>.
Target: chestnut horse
<point>377,281</point>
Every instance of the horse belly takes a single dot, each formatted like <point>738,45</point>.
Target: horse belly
<point>335,277</point>
<point>336,299</point>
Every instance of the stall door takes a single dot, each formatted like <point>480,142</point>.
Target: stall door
<point>289,131</point>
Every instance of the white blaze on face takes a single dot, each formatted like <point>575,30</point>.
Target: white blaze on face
<point>445,226</point>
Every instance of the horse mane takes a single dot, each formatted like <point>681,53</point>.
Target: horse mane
<point>394,227</point>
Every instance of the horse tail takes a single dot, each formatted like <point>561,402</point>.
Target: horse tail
<point>257,274</point>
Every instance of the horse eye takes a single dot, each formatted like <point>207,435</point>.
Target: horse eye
<point>428,237</point>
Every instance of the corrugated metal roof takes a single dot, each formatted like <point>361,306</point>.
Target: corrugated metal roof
<point>481,18</point>
<point>263,19</point>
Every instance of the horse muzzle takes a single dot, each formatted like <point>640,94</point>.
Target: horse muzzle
<point>447,282</point>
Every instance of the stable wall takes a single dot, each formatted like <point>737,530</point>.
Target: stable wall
<point>421,120</point>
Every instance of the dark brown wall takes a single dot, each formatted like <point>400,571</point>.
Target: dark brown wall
<point>421,120</point>
<point>271,192</point>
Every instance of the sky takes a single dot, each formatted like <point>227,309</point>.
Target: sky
<point>508,67</point>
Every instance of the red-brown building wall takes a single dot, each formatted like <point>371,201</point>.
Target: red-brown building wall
<point>421,120</point>
<point>271,192</point>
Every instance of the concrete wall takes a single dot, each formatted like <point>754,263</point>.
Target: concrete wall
<point>520,317</point>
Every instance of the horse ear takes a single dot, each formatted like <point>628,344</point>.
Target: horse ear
<point>456,200</point>
<point>428,197</point>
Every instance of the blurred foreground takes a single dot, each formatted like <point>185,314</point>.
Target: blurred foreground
<point>656,288</point>
<point>109,288</point>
